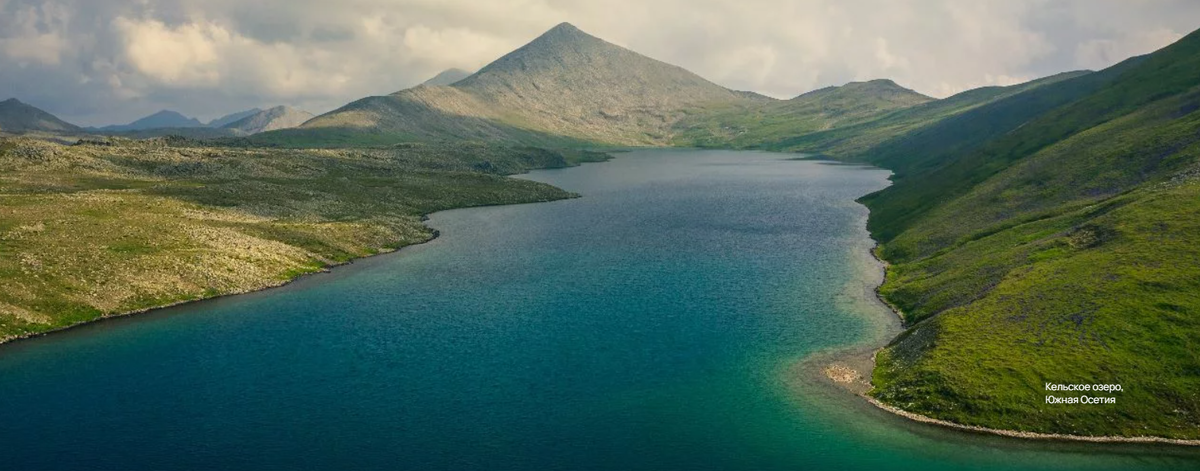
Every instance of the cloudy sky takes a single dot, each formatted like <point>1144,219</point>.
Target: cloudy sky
<point>109,61</point>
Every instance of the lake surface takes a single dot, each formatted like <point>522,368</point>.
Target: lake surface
<point>661,322</point>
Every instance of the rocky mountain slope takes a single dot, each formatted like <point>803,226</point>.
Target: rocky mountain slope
<point>565,83</point>
<point>229,118</point>
<point>279,117</point>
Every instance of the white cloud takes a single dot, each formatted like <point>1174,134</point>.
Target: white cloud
<point>45,48</point>
<point>37,34</point>
<point>183,56</point>
<point>454,47</point>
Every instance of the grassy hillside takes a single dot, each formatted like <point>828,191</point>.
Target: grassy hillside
<point>1049,236</point>
<point>113,226</point>
<point>759,123</point>
<point>948,157</point>
<point>862,138</point>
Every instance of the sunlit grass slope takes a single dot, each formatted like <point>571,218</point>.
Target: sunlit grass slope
<point>113,226</point>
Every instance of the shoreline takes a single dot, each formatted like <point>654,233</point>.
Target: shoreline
<point>852,369</point>
<point>273,285</point>
<point>325,269</point>
<point>849,370</point>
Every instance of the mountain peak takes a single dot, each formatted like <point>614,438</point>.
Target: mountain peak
<point>229,118</point>
<point>565,35</point>
<point>20,118</point>
<point>878,89</point>
<point>558,50</point>
<point>563,83</point>
<point>279,117</point>
<point>884,83</point>
<point>161,119</point>
<point>565,28</point>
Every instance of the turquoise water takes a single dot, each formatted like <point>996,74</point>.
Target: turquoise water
<point>660,322</point>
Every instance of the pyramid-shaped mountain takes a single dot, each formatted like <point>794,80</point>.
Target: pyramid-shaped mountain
<point>21,118</point>
<point>565,83</point>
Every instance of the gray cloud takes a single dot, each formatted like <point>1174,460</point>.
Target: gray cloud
<point>105,61</point>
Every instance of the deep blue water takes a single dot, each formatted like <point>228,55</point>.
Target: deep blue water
<point>657,323</point>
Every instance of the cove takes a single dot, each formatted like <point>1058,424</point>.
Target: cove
<point>663,321</point>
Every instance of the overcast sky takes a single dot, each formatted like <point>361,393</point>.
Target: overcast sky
<point>111,61</point>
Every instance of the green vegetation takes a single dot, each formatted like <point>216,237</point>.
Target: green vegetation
<point>114,226</point>
<point>855,121</point>
<point>1043,232</point>
<point>1101,294</point>
<point>760,123</point>
<point>1050,236</point>
<point>869,137</point>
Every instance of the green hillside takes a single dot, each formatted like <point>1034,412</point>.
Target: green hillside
<point>1049,236</point>
<point>858,139</point>
<point>754,124</point>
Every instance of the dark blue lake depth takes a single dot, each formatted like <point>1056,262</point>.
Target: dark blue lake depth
<point>660,322</point>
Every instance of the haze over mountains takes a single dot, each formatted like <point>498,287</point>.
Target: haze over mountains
<point>161,119</point>
<point>20,118</point>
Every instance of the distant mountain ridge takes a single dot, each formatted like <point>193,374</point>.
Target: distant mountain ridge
<point>279,117</point>
<point>20,118</point>
<point>232,117</point>
<point>763,122</point>
<point>161,119</point>
<point>242,123</point>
